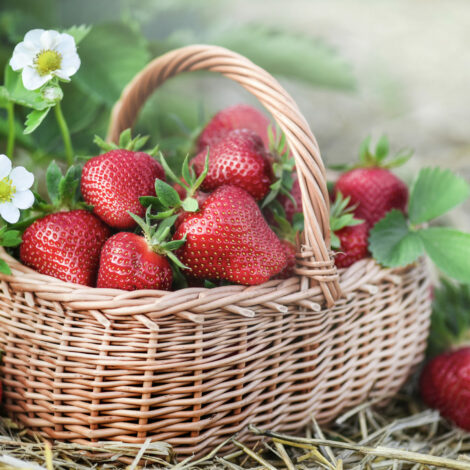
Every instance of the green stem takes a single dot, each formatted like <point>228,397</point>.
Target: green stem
<point>65,133</point>
<point>11,129</point>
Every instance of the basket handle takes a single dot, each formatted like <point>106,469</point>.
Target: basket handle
<point>314,260</point>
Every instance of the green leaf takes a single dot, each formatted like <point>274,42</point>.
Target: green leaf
<point>434,192</point>
<point>172,257</point>
<point>364,155</point>
<point>298,222</point>
<point>188,176</point>
<point>113,54</point>
<point>392,243</point>
<point>53,178</point>
<point>34,120</point>
<point>173,244</point>
<point>10,238</point>
<point>69,185</point>
<point>168,196</point>
<point>190,204</point>
<point>382,148</point>
<point>153,201</point>
<point>20,95</point>
<point>78,32</point>
<point>4,268</point>
<point>335,241</point>
<point>125,138</point>
<point>449,249</point>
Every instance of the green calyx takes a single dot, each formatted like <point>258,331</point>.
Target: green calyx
<point>284,229</point>
<point>341,215</point>
<point>283,167</point>
<point>167,200</point>
<point>380,157</point>
<point>63,190</point>
<point>450,320</point>
<point>126,142</point>
<point>158,236</point>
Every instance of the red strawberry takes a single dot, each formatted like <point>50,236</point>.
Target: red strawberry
<point>239,159</point>
<point>288,271</point>
<point>445,385</point>
<point>129,263</point>
<point>375,191</point>
<point>353,239</point>
<point>65,245</point>
<point>114,181</point>
<point>229,239</point>
<point>240,116</point>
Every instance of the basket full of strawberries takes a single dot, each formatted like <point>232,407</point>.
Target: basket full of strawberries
<point>141,302</point>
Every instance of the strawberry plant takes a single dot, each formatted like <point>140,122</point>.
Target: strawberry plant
<point>397,240</point>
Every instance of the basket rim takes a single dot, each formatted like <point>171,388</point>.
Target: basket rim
<point>363,275</point>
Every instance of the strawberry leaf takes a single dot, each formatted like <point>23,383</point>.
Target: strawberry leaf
<point>190,204</point>
<point>298,222</point>
<point>4,268</point>
<point>69,186</point>
<point>449,249</point>
<point>153,201</point>
<point>168,196</point>
<point>34,119</point>
<point>10,238</point>
<point>78,32</point>
<point>53,178</point>
<point>392,243</point>
<point>125,138</point>
<point>435,192</point>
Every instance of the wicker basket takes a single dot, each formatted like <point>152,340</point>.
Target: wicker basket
<point>192,367</point>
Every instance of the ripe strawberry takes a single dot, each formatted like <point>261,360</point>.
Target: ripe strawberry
<point>114,181</point>
<point>239,159</point>
<point>289,250</point>
<point>241,116</point>
<point>353,245</point>
<point>65,245</point>
<point>349,235</point>
<point>376,191</point>
<point>229,239</point>
<point>445,385</point>
<point>129,263</point>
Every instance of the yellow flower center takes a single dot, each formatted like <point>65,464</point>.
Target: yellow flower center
<point>47,61</point>
<point>7,190</point>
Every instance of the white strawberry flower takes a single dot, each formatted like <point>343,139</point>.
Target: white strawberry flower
<point>44,55</point>
<point>15,193</point>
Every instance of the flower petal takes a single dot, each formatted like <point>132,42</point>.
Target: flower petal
<point>70,63</point>
<point>32,80</point>
<point>21,178</point>
<point>49,39</point>
<point>5,166</point>
<point>61,74</point>
<point>66,44</point>
<point>33,37</point>
<point>9,212</point>
<point>23,199</point>
<point>22,56</point>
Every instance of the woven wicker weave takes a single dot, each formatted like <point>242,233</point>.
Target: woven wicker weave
<point>193,366</point>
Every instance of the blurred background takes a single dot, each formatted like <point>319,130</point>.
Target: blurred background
<point>355,68</point>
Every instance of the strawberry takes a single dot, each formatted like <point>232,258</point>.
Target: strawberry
<point>241,116</point>
<point>65,245</point>
<point>445,385</point>
<point>289,250</point>
<point>349,235</point>
<point>129,263</point>
<point>239,159</point>
<point>229,239</point>
<point>353,245</point>
<point>376,191</point>
<point>371,186</point>
<point>113,182</point>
